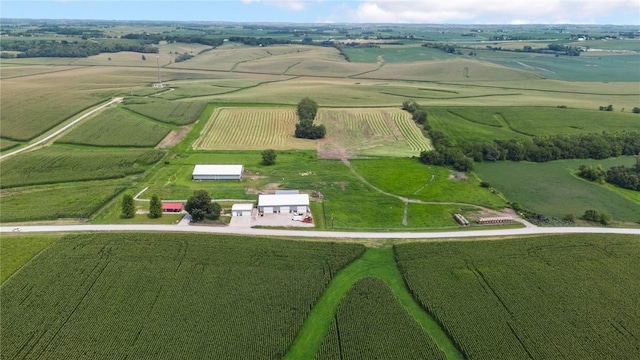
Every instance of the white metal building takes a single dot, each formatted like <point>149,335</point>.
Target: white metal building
<point>217,172</point>
<point>241,209</point>
<point>283,203</point>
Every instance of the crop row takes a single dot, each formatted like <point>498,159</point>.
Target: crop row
<point>52,202</point>
<point>166,296</point>
<point>116,127</point>
<point>547,297</point>
<point>412,134</point>
<point>231,128</point>
<point>371,324</point>
<point>58,164</point>
<point>172,112</point>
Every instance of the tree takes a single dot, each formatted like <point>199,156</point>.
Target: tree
<point>307,109</point>
<point>144,57</point>
<point>155,207</point>
<point>128,207</point>
<point>200,206</point>
<point>268,157</point>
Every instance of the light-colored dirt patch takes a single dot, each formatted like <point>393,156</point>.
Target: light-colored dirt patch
<point>460,176</point>
<point>268,189</point>
<point>174,137</point>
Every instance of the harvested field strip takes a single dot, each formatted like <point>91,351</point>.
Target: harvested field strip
<point>251,128</point>
<point>411,132</point>
<point>375,262</point>
<point>166,296</point>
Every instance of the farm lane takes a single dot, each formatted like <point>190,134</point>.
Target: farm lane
<point>63,129</point>
<point>320,234</point>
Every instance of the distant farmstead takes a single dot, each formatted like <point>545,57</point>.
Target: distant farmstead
<point>217,172</point>
<point>283,203</point>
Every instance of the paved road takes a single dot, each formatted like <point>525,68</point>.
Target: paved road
<point>58,132</point>
<point>320,234</point>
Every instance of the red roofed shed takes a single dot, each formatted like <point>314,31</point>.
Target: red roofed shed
<point>171,207</point>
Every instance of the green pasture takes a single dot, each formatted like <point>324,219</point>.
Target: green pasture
<point>475,123</point>
<point>570,296</point>
<point>116,127</point>
<point>414,180</point>
<point>166,295</point>
<point>16,250</point>
<point>604,67</point>
<point>54,202</point>
<point>393,54</point>
<point>58,164</point>
<point>554,189</point>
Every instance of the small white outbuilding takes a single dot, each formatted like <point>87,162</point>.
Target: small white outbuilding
<point>283,203</point>
<point>217,172</point>
<point>241,209</point>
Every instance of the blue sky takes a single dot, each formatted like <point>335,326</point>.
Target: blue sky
<point>337,11</point>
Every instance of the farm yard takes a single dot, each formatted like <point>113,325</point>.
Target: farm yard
<point>224,101</point>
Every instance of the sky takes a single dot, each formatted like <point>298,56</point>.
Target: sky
<point>618,12</point>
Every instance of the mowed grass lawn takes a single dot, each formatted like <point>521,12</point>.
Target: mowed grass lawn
<point>554,189</point>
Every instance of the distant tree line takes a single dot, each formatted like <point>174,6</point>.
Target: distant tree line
<point>78,48</point>
<point>552,49</point>
<point>625,177</point>
<point>543,148</point>
<point>154,38</point>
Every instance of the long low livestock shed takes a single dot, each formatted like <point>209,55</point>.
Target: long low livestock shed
<point>217,172</point>
<point>283,203</point>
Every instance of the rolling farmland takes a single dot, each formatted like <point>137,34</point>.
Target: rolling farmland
<point>116,127</point>
<point>57,164</point>
<point>165,296</point>
<point>252,129</point>
<point>570,296</point>
<point>172,112</point>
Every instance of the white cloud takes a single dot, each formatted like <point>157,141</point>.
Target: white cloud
<point>494,11</point>
<point>295,5</point>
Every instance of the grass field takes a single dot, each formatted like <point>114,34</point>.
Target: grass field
<point>18,250</point>
<point>394,54</point>
<point>53,202</point>
<point>414,180</point>
<point>567,296</point>
<point>57,164</point>
<point>7,144</point>
<point>369,132</point>
<point>554,190</point>
<point>116,127</point>
<point>492,123</point>
<point>166,296</point>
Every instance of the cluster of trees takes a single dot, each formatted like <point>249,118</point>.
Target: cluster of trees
<point>625,177</point>
<point>200,206</point>
<point>595,216</point>
<point>305,129</point>
<point>64,48</point>
<point>129,207</point>
<point>268,157</point>
<point>154,38</point>
<point>555,147</point>
<point>445,152</point>
<point>184,57</point>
